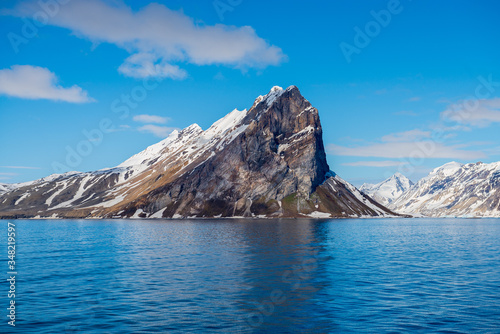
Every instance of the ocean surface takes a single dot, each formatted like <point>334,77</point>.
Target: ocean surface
<point>255,276</point>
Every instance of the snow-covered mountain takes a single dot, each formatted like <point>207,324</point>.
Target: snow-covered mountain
<point>454,189</point>
<point>5,187</point>
<point>387,191</point>
<point>267,161</point>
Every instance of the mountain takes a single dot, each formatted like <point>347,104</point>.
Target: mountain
<point>387,191</point>
<point>4,188</point>
<point>268,161</point>
<point>455,190</point>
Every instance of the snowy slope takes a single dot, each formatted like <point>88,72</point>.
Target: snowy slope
<point>110,186</point>
<point>6,187</point>
<point>361,197</point>
<point>84,190</point>
<point>389,190</point>
<point>454,189</point>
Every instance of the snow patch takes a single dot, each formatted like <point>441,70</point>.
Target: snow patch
<point>23,197</point>
<point>319,214</point>
<point>137,213</point>
<point>158,214</point>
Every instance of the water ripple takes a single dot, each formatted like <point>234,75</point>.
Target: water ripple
<point>252,276</point>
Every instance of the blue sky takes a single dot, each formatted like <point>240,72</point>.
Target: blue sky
<point>400,85</point>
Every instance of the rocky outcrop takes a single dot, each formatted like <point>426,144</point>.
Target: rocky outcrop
<point>268,161</point>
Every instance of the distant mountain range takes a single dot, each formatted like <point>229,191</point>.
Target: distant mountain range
<point>268,161</point>
<point>387,191</point>
<point>454,189</point>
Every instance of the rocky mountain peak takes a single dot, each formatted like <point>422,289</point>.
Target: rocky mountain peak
<point>398,175</point>
<point>273,95</point>
<point>266,161</point>
<point>388,190</point>
<point>294,132</point>
<point>447,169</point>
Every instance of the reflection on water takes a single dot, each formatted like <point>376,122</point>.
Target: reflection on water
<point>250,276</point>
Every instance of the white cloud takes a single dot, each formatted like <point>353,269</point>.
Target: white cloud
<point>144,65</point>
<point>415,99</point>
<point>494,151</point>
<point>474,112</point>
<point>387,163</point>
<point>452,128</point>
<point>151,119</point>
<point>411,135</point>
<point>33,82</point>
<point>158,37</point>
<point>159,131</point>
<point>417,149</point>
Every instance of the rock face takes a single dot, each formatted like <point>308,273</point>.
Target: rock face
<point>389,190</point>
<point>455,190</point>
<point>268,161</point>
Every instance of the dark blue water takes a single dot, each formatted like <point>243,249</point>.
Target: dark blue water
<point>275,276</point>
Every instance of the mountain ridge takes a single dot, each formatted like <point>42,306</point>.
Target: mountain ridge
<point>455,190</point>
<point>268,161</point>
<point>388,190</point>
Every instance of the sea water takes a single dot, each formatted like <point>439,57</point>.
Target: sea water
<point>275,276</point>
